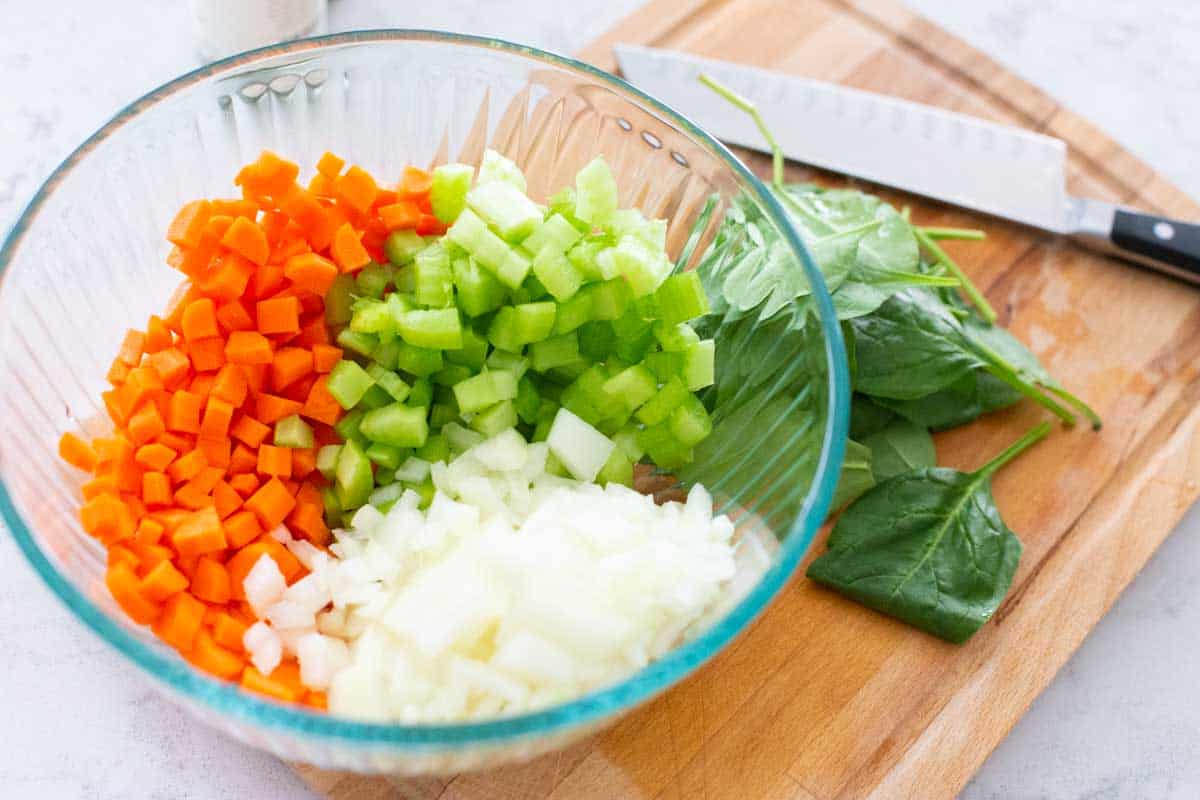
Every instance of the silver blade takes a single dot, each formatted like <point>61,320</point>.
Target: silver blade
<point>956,158</point>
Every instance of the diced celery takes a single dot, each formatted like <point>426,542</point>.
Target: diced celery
<point>690,422</point>
<point>347,426</point>
<point>492,421</point>
<point>617,469</point>
<point>339,300</point>
<point>563,204</point>
<point>327,458</point>
<point>675,338</point>
<point>293,432</point>
<point>385,455</point>
<point>353,479</point>
<point>333,507</point>
<point>553,465</point>
<point>450,375</point>
<point>348,382</point>
<point>634,335</point>
<point>397,425</point>
<point>663,448</point>
<point>448,192</point>
<point>606,264</point>
<point>436,448</point>
<point>555,232</point>
<point>361,343</point>
<point>473,235</point>
<point>413,470</point>
<point>586,398</point>
<point>643,266</point>
<point>513,270</point>
<point>680,298</point>
<point>405,279</point>
<point>460,439</point>
<point>665,365</point>
<point>515,326</point>
<point>527,402</point>
<point>583,257</point>
<point>545,419</point>
<point>479,291</point>
<point>699,368</point>
<point>625,221</point>
<point>626,441</point>
<point>385,496</point>
<point>510,362</point>
<point>385,353</point>
<point>371,316</point>
<point>568,373</point>
<point>375,397</point>
<point>384,477</point>
<point>597,340</point>
<point>609,299</point>
<point>401,246</point>
<point>419,361</point>
<point>473,351</point>
<point>421,394</point>
<point>556,273</point>
<point>438,329</point>
<point>484,390</point>
<point>633,386</point>
<point>425,491</point>
<point>441,413</point>
<point>582,449</point>
<point>389,381</point>
<point>505,208</point>
<point>554,352</point>
<point>496,167</point>
<point>435,285</point>
<point>573,313</point>
<point>666,400</point>
<point>372,280</point>
<point>595,192</point>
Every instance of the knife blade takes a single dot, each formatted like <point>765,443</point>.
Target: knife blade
<point>997,169</point>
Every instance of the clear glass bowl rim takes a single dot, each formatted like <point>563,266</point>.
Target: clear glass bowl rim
<point>227,699</point>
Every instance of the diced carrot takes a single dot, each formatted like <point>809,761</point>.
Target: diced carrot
<point>179,442</point>
<point>148,531</point>
<point>325,357</point>
<point>275,461</point>
<point>242,460</point>
<point>248,347</point>
<point>269,408</point>
<point>101,484</point>
<point>320,404</point>
<point>401,215</point>
<point>233,316</point>
<point>244,483</point>
<point>156,489</point>
<point>228,631</point>
<point>154,456</point>
<point>145,424</point>
<point>290,364</point>
<point>268,280</point>
<point>199,533</point>
<point>245,238</point>
<point>116,409</point>
<point>230,385</point>
<point>310,272</point>
<point>184,230</point>
<point>171,518</point>
<point>108,519</point>
<point>355,189</point>
<point>227,275</point>
<point>122,583</point>
<point>240,564</point>
<point>217,452</point>
<point>330,165</point>
<point>202,384</point>
<point>187,466</point>
<point>271,503</point>
<point>181,619</point>
<point>255,681</point>
<point>317,700</point>
<point>178,303</point>
<point>211,582</point>
<point>278,315</point>
<point>76,452</point>
<point>137,509</point>
<point>429,225</point>
<point>308,519</point>
<point>162,581</point>
<point>199,319</point>
<point>289,565</point>
<point>314,331</point>
<point>347,250</point>
<point>132,347</point>
<point>208,355</point>
<point>183,412</point>
<point>269,176</point>
<point>288,674</point>
<point>187,565</point>
<point>225,499</point>
<point>304,461</point>
<point>242,528</point>
<point>217,416</point>
<point>158,335</point>
<point>117,372</point>
<point>321,185</point>
<point>171,364</point>
<point>210,657</point>
<point>235,208</point>
<point>197,493</point>
<point>119,554</point>
<point>414,182</point>
<point>249,430</point>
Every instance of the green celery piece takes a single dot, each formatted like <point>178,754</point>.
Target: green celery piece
<point>527,402</point>
<point>372,280</point>
<point>626,441</point>
<point>347,426</point>
<point>514,269</point>
<point>361,343</point>
<point>492,421</point>
<point>573,313</point>
<point>554,352</point>
<point>681,298</point>
<point>502,332</point>
<point>606,264</point>
<point>385,353</point>
<point>663,448</point>
<point>436,448</point>
<point>534,321</point>
<point>389,381</point>
<point>664,365</point>
<point>473,352</point>
<point>374,397</point>
<point>595,192</point>
<point>397,425</point>
<point>401,246</point>
<point>405,279</point>
<point>642,266</point>
<point>609,299</point>
<point>633,386</point>
<point>327,458</point>
<point>555,467</point>
<point>348,382</point>
<point>532,289</point>
<point>333,506</point>
<point>353,479</point>
<point>339,301</point>
<point>496,167</point>
<point>372,316</point>
<point>479,291</point>
<point>690,423</point>
<point>450,374</point>
<point>545,420</point>
<point>699,368</point>
<point>555,232</point>
<point>635,338</point>
<point>510,362</point>
<point>460,439</point>
<point>436,329</point>
<point>485,389</point>
<point>617,469</point>
<point>563,204</point>
<point>680,337</point>
<point>419,361</point>
<point>556,273</point>
<point>421,394</point>
<point>583,257</point>
<point>440,414</point>
<point>568,373</point>
<point>473,235</point>
<point>435,284</point>
<point>448,191</point>
<point>666,400</point>
<point>506,208</point>
<point>597,340</point>
<point>385,455</point>
<point>292,431</point>
<point>385,496</point>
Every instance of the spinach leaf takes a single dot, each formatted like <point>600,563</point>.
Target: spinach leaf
<point>898,448</point>
<point>868,417</point>
<point>927,547</point>
<point>963,401</point>
<point>856,477</point>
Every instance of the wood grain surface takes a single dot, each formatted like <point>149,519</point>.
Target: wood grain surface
<point>822,698</point>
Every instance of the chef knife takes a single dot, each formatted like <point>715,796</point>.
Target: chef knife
<point>962,160</point>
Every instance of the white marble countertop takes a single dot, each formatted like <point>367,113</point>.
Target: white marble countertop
<point>1118,722</point>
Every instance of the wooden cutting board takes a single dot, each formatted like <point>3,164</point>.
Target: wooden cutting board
<point>822,698</point>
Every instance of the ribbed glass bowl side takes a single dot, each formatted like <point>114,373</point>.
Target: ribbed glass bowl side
<point>86,262</point>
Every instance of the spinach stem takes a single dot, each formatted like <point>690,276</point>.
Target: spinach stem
<point>969,289</point>
<point>866,227</point>
<point>1035,435</point>
<point>965,234</point>
<point>999,367</point>
<point>751,109</point>
<point>916,278</point>
<point>1083,407</point>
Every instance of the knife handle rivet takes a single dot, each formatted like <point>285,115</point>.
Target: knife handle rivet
<point>624,124</point>
<point>1164,231</point>
<point>680,158</point>
<point>652,140</point>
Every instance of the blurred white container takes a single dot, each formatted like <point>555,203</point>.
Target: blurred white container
<point>225,27</point>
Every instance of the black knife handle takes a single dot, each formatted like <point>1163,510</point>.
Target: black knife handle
<point>1164,244</point>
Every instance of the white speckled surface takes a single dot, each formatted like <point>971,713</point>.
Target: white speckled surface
<point>1119,722</point>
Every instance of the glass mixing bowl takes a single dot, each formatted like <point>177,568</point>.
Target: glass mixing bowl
<point>85,261</point>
